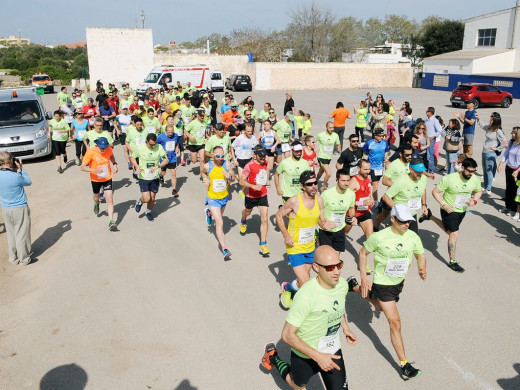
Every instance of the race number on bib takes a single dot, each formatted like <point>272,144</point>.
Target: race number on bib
<point>461,201</point>
<point>151,129</point>
<point>104,173</point>
<point>354,171</point>
<point>140,141</point>
<point>261,177</point>
<point>306,235</point>
<point>170,146</point>
<point>219,185</point>
<point>378,172</point>
<point>397,268</point>
<point>338,219</point>
<point>329,344</point>
<point>81,133</point>
<point>363,207</point>
<point>328,148</point>
<point>414,204</point>
<point>149,175</point>
<point>200,133</point>
<point>285,147</point>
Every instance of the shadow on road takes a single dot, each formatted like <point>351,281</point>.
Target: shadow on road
<point>431,242</point>
<point>185,385</point>
<point>66,377</point>
<point>359,311</point>
<point>125,182</point>
<point>281,271</point>
<point>504,229</point>
<point>50,237</point>
<point>512,383</point>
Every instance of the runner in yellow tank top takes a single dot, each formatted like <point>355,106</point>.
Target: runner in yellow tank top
<point>216,178</point>
<point>305,211</point>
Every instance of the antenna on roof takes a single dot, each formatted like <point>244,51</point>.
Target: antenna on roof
<point>143,17</point>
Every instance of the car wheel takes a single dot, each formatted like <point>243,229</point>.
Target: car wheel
<point>455,104</point>
<point>233,89</point>
<point>475,102</point>
<point>506,102</point>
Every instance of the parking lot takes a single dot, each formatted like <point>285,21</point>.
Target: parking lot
<point>154,306</point>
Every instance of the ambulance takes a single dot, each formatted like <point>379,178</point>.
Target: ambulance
<point>198,75</point>
<point>42,80</point>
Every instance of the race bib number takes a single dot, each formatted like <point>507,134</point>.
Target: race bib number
<point>285,147</point>
<point>261,177</point>
<point>219,185</point>
<point>378,172</point>
<point>363,207</point>
<point>111,122</point>
<point>58,135</point>
<point>140,141</point>
<point>306,235</point>
<point>397,268</point>
<point>200,133</point>
<point>151,129</point>
<point>414,204</point>
<point>354,171</point>
<point>268,142</point>
<point>104,173</point>
<point>149,175</point>
<point>461,201</point>
<point>338,219</point>
<point>170,146</point>
<point>81,133</point>
<point>329,344</point>
<point>123,128</point>
<point>328,149</point>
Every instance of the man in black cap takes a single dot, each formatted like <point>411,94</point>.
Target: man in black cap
<point>254,179</point>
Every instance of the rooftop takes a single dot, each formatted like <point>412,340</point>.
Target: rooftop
<point>467,54</point>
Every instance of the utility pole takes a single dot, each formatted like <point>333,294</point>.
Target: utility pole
<point>515,21</point>
<point>143,17</point>
<point>19,33</point>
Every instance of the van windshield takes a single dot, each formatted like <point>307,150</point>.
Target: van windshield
<point>152,78</point>
<point>41,78</point>
<point>19,112</point>
<point>216,76</point>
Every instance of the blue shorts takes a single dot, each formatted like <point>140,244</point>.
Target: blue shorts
<point>219,203</point>
<point>301,259</point>
<point>149,185</point>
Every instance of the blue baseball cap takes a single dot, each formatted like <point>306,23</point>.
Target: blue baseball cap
<point>417,165</point>
<point>102,142</point>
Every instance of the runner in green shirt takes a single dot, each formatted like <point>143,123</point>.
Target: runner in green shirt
<point>361,119</point>
<point>188,111</point>
<point>455,193</point>
<point>314,326</point>
<point>395,169</point>
<point>393,248</point>
<point>337,201</point>
<point>151,122</point>
<point>327,139</point>
<point>291,170</point>
<point>195,132</point>
<point>59,133</point>
<point>96,133</point>
<point>220,138</point>
<point>152,158</point>
<point>283,131</point>
<point>410,190</point>
<point>62,97</point>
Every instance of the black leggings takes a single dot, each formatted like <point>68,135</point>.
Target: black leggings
<point>81,149</point>
<point>360,133</point>
<point>510,189</point>
<point>303,369</point>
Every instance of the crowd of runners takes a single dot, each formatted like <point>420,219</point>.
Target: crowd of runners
<point>380,178</point>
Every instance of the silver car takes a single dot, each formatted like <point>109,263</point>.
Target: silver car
<point>23,123</point>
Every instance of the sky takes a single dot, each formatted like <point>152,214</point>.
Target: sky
<point>53,22</point>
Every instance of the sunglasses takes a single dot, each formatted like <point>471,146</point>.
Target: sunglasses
<point>470,171</point>
<point>219,155</point>
<point>149,143</point>
<point>271,112</point>
<point>403,222</point>
<point>354,140</point>
<point>407,154</point>
<point>310,184</point>
<point>330,268</point>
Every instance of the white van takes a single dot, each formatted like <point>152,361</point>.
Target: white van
<point>198,75</point>
<point>217,81</point>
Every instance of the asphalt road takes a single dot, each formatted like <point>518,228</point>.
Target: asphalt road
<point>154,306</point>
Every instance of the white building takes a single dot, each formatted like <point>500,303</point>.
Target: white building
<point>389,53</point>
<point>490,53</point>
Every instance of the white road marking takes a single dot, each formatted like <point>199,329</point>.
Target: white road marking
<point>469,376</point>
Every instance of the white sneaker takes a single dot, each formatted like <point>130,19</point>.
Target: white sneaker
<point>516,217</point>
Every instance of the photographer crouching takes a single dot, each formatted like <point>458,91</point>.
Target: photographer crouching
<point>15,210</point>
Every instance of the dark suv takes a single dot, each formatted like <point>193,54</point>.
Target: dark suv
<point>239,82</point>
<point>480,94</point>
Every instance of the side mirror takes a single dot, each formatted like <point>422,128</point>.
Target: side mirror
<point>48,115</point>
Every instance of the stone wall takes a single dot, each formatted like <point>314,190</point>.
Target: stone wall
<point>119,54</point>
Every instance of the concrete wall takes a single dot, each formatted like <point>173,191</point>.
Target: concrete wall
<point>126,55</point>
<point>499,63</point>
<point>287,75</point>
<point>119,54</point>
<point>501,20</point>
<point>448,66</point>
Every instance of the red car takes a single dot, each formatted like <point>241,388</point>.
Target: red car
<point>480,94</point>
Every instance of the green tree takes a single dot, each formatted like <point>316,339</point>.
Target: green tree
<point>440,37</point>
<point>413,50</point>
<point>345,37</point>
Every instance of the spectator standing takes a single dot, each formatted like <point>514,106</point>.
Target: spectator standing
<point>15,210</point>
<point>433,130</point>
<point>468,130</point>
<point>512,160</point>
